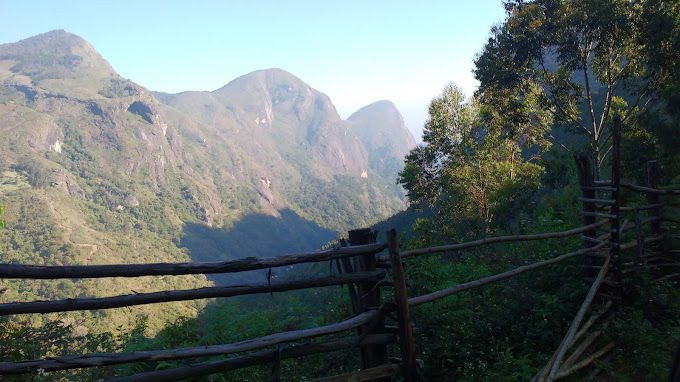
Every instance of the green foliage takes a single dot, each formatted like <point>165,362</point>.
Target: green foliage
<point>467,170</point>
<point>38,176</point>
<point>646,331</point>
<point>565,61</point>
<point>497,331</point>
<point>119,88</point>
<point>231,322</point>
<point>23,339</point>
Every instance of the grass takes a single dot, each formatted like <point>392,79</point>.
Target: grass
<point>11,181</point>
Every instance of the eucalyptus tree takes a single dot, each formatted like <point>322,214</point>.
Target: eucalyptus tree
<point>564,62</point>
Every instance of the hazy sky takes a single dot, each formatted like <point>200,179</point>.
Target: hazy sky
<point>357,52</point>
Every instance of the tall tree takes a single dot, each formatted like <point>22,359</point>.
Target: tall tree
<point>660,38</point>
<point>464,168</point>
<point>573,59</point>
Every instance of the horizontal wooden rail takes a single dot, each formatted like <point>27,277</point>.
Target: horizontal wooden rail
<point>414,301</point>
<point>598,188</point>
<point>649,206</point>
<point>601,201</point>
<point>257,358</point>
<point>497,239</point>
<point>15,271</point>
<point>634,244</point>
<point>182,295</point>
<point>104,359</point>
<point>648,190</point>
<point>598,214</point>
<point>386,370</point>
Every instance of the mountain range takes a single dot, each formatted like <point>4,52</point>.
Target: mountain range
<point>96,169</point>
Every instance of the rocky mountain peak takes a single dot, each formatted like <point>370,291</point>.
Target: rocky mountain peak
<point>57,62</point>
<point>382,130</point>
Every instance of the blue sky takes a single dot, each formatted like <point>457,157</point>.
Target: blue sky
<point>357,52</point>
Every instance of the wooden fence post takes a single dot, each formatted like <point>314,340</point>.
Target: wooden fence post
<point>585,180</point>
<point>587,185</point>
<point>408,353</point>
<point>616,208</point>
<point>652,168</point>
<point>369,298</point>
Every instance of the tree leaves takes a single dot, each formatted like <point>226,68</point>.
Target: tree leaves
<point>470,162</point>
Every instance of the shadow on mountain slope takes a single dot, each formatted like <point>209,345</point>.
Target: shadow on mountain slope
<point>254,235</point>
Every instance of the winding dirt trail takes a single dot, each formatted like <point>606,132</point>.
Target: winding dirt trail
<point>68,231</point>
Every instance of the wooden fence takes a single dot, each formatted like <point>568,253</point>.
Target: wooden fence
<point>607,261</point>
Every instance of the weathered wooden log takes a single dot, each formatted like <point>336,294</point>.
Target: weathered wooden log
<point>670,219</point>
<point>258,358</point>
<point>615,210</point>
<point>650,206</point>
<point>639,238</point>
<point>181,295</point>
<point>646,240</point>
<point>379,372</point>
<point>600,201</point>
<point>104,359</point>
<point>9,271</point>
<point>571,370</point>
<point>407,348</point>
<point>582,347</point>
<point>414,301</point>
<point>598,214</point>
<point>649,190</point>
<point>594,317</point>
<point>556,360</point>
<point>498,239</point>
<point>369,298</point>
<point>598,188</point>
<point>591,239</point>
<point>652,169</point>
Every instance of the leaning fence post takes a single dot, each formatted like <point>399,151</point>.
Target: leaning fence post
<point>408,354</point>
<point>369,298</point>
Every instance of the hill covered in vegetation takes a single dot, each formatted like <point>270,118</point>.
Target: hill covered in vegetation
<point>552,77</point>
<point>96,169</point>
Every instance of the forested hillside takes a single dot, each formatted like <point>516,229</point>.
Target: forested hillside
<point>95,170</point>
<point>502,163</point>
<point>181,176</point>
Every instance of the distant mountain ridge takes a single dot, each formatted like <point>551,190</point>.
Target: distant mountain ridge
<point>125,175</point>
<point>382,130</point>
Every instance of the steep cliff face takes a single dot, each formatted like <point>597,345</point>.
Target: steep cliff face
<point>291,134</point>
<point>299,119</point>
<point>382,130</point>
<point>108,139</point>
